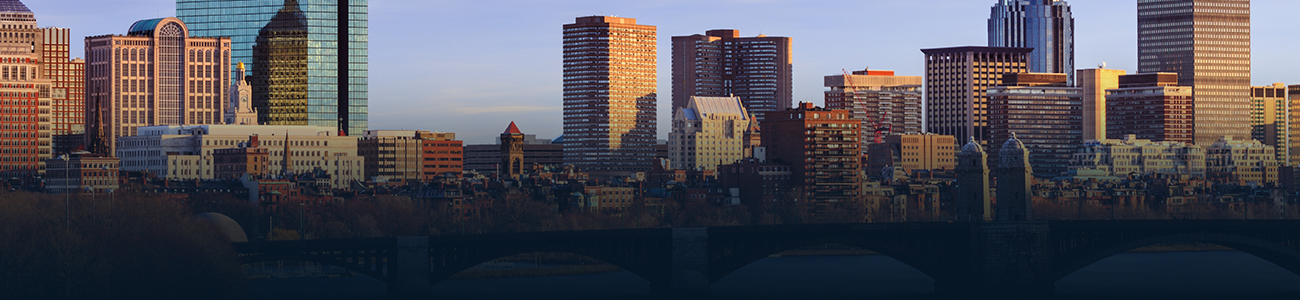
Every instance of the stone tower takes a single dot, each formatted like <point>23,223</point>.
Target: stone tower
<point>1015,179</point>
<point>974,203</point>
<point>512,153</point>
<point>240,110</point>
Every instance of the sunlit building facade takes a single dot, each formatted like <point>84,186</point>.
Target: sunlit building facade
<point>610,100</point>
<point>956,81</point>
<point>25,95</point>
<point>1047,26</point>
<point>308,58</point>
<point>886,104</point>
<point>1268,118</point>
<point>721,63</point>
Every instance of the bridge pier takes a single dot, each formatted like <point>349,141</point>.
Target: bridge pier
<point>408,269</point>
<point>689,278</point>
<point>1011,260</point>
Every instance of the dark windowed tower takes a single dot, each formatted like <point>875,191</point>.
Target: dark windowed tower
<point>1047,26</point>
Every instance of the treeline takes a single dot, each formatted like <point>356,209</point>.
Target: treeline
<point>127,246</point>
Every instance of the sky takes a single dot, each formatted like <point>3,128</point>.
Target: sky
<point>473,66</point>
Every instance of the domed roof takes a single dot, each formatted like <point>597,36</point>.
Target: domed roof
<point>972,146</point>
<point>1013,143</point>
<point>228,226</point>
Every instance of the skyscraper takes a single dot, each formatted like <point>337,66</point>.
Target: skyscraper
<point>156,74</point>
<point>1042,110</point>
<point>67,78</point>
<point>1207,42</point>
<point>609,95</point>
<point>1044,25</point>
<point>821,146</point>
<point>955,83</point>
<point>1268,118</point>
<point>721,63</point>
<point>886,104</point>
<point>1152,107</point>
<point>309,58</point>
<point>24,93</point>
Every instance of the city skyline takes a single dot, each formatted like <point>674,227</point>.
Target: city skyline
<point>417,84</point>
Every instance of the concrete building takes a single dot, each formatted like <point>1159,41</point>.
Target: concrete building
<point>1095,83</point>
<point>240,109</point>
<point>974,194</point>
<point>721,63</point>
<point>1044,112</point>
<point>393,156</point>
<point>1151,106</point>
<point>187,152</point>
<point>913,152</point>
<point>1172,35</point>
<point>443,155</point>
<point>25,94</point>
<point>1015,180</point>
<point>81,174</point>
<point>156,74</point>
<point>754,183</point>
<point>823,150</point>
<point>609,96</point>
<point>1269,113</point>
<point>708,132</point>
<point>1133,156</point>
<point>886,104</point>
<point>1241,162</point>
<point>955,83</point>
<point>1047,26</point>
<point>67,82</point>
<point>301,73</point>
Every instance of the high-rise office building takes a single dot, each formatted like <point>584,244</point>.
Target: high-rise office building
<point>67,79</point>
<point>707,133</point>
<point>156,74</point>
<point>721,63</point>
<point>308,58</point>
<point>1044,112</point>
<point>1207,42</point>
<point>955,83</point>
<point>886,104</point>
<point>609,95</point>
<point>24,93</point>
<point>1045,25</point>
<point>1268,118</point>
<point>1152,107</point>
<point>1094,83</point>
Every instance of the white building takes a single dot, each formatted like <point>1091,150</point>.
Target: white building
<point>1241,161</point>
<point>708,132</point>
<point>1131,155</point>
<point>185,152</point>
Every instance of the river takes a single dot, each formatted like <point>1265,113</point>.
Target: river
<point>1173,275</point>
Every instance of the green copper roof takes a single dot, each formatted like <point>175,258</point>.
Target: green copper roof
<point>144,27</point>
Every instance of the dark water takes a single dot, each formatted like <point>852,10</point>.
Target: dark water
<point>1180,275</point>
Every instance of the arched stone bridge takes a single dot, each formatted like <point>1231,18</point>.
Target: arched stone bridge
<point>967,260</point>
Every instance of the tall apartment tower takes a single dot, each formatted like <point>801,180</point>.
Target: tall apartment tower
<point>67,79</point>
<point>1207,42</point>
<point>955,83</point>
<point>1015,181</point>
<point>974,202</point>
<point>886,104</point>
<point>721,63</point>
<point>308,58</point>
<point>1044,25</point>
<point>1045,112</point>
<point>24,94</point>
<point>1268,118</point>
<point>156,74</point>
<point>1094,83</point>
<point>609,95</point>
<point>512,153</point>
<point>1152,107</point>
<point>821,146</point>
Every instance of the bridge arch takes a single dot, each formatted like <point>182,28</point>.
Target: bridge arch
<point>1275,253</point>
<point>724,265</point>
<point>628,263</point>
<point>378,272</point>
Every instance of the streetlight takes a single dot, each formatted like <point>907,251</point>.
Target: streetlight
<point>67,189</point>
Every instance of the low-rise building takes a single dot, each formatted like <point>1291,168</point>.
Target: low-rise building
<point>538,154</point>
<point>77,173</point>
<point>753,183</point>
<point>248,158</point>
<point>443,155</point>
<point>1241,162</point>
<point>1122,157</point>
<point>915,152</point>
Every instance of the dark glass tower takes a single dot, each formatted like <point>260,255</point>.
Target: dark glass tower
<point>1045,25</point>
<point>313,68</point>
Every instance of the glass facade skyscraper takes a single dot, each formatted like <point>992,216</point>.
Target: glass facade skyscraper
<point>1045,25</point>
<point>309,58</point>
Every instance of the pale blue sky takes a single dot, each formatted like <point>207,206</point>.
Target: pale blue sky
<point>472,66</point>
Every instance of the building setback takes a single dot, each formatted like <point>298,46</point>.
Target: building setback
<point>1207,42</point>
<point>156,74</point>
<point>721,63</point>
<point>707,133</point>
<point>301,73</point>
<point>1094,83</point>
<point>1152,107</point>
<point>886,104</point>
<point>1047,26</point>
<point>1268,118</point>
<point>1046,114</point>
<point>955,83</point>
<point>610,101</point>
<point>823,150</point>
